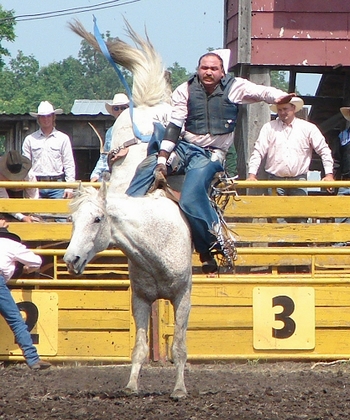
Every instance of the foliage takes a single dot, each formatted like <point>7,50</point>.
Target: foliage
<point>278,80</point>
<point>178,75</point>
<point>23,84</point>
<point>7,32</point>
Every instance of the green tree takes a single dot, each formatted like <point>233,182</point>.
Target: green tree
<point>278,80</point>
<point>178,75</point>
<point>19,84</point>
<point>7,33</point>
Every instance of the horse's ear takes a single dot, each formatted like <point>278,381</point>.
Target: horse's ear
<point>103,191</point>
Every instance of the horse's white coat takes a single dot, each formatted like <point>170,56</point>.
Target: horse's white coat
<point>155,237</point>
<point>151,231</point>
<point>124,169</point>
<point>151,95</point>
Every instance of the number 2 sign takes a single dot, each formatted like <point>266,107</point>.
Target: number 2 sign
<point>40,312</point>
<point>284,318</point>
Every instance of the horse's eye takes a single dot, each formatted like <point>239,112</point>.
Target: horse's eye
<point>97,219</point>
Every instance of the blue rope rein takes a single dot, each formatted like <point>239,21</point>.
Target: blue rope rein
<point>104,49</point>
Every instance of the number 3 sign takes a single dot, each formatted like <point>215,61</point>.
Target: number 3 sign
<point>284,318</point>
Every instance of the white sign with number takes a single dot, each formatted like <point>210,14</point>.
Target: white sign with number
<point>284,318</point>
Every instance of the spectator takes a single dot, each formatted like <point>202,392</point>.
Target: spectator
<point>343,164</point>
<point>287,143</point>
<point>15,167</point>
<point>119,104</point>
<point>200,133</point>
<point>12,252</point>
<point>50,151</point>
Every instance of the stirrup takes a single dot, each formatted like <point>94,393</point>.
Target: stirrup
<point>224,247</point>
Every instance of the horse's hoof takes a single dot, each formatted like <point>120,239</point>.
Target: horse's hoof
<point>178,394</point>
<point>130,392</point>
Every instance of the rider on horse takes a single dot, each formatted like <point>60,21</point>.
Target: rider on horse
<point>196,140</point>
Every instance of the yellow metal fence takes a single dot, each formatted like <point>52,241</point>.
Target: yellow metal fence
<point>266,308</point>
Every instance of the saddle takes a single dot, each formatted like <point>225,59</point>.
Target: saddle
<point>221,189</point>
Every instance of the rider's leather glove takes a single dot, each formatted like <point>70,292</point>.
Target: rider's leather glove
<point>160,169</point>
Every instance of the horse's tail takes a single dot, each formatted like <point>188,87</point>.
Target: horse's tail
<point>150,80</point>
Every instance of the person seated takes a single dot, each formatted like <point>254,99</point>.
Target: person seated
<point>16,167</point>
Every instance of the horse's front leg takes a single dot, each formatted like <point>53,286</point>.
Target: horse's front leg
<point>141,312</point>
<point>179,349</point>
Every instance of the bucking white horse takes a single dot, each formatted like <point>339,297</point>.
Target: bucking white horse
<point>154,235</point>
<point>151,96</point>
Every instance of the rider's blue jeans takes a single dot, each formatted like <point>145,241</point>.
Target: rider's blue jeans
<point>199,169</point>
<point>13,317</point>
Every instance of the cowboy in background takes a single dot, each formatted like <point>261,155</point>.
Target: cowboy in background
<point>342,159</point>
<point>50,152</point>
<point>15,167</point>
<point>101,171</point>
<point>287,143</point>
<point>15,258</point>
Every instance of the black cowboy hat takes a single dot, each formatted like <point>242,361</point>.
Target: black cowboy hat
<point>14,166</point>
<point>4,233</point>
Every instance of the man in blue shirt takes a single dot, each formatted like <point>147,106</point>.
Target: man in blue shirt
<point>119,104</point>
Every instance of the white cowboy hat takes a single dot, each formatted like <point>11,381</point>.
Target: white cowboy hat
<point>345,110</point>
<point>14,166</point>
<point>297,102</point>
<point>119,99</point>
<point>45,108</point>
<point>224,54</point>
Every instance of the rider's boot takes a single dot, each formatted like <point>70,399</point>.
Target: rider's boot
<point>209,265</point>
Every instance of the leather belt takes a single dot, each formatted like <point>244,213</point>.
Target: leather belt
<point>50,178</point>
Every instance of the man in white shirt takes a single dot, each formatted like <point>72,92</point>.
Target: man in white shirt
<point>50,152</point>
<point>287,143</point>
<point>15,167</point>
<point>204,114</point>
<point>13,252</point>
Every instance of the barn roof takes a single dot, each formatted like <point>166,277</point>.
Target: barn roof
<point>89,107</point>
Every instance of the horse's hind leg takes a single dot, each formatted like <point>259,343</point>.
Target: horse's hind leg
<point>179,350</point>
<point>141,313</point>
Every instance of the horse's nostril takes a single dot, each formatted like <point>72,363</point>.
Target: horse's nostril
<point>77,258</point>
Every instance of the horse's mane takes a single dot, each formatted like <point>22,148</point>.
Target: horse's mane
<point>81,196</point>
<point>150,80</point>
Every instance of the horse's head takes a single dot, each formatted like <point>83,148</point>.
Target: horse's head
<point>91,231</point>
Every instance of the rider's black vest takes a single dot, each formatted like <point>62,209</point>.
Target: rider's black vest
<point>214,113</point>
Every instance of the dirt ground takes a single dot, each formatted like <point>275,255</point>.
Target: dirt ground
<point>232,391</point>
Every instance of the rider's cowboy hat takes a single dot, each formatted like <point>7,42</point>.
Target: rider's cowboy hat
<point>119,99</point>
<point>345,110</point>
<point>14,166</point>
<point>45,108</point>
<point>297,102</point>
<point>4,233</point>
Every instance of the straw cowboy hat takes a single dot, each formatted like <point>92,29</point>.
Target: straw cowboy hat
<point>297,102</point>
<point>45,108</point>
<point>345,110</point>
<point>14,166</point>
<point>4,233</point>
<point>119,99</point>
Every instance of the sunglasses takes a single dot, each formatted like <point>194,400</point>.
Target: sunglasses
<point>118,108</point>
